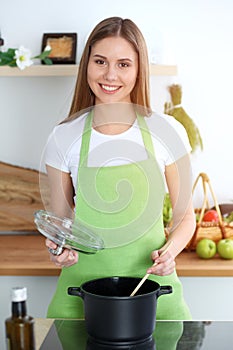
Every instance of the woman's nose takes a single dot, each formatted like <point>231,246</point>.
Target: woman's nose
<point>110,73</point>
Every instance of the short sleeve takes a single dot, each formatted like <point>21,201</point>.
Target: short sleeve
<point>170,138</point>
<point>53,154</point>
<point>181,145</point>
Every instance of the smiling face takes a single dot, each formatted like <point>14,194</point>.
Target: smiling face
<point>112,70</point>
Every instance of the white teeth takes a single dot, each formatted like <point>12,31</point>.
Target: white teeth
<point>109,88</point>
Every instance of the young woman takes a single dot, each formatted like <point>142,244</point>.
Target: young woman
<point>109,164</point>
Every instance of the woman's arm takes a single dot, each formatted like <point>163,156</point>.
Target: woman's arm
<point>61,192</point>
<point>61,204</point>
<point>179,183</point>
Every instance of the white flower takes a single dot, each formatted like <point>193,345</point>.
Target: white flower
<point>47,48</point>
<point>23,57</point>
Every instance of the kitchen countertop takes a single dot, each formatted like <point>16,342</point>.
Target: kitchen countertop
<point>42,327</point>
<point>26,255</point>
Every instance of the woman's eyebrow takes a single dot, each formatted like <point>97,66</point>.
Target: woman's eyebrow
<point>120,59</point>
<point>100,56</point>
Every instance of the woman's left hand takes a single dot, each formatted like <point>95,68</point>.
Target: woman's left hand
<point>165,264</point>
<point>65,259</point>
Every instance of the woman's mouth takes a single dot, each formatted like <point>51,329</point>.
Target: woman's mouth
<point>109,88</point>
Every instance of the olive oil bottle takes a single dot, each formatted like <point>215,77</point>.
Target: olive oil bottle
<point>20,326</point>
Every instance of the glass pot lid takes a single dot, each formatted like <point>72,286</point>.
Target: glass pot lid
<point>67,234</point>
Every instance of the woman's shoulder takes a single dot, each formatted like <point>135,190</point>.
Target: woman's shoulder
<point>169,132</point>
<point>160,124</point>
<point>70,127</point>
<point>62,142</point>
<point>66,133</point>
<point>160,119</point>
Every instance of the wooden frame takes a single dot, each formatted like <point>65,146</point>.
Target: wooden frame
<point>63,47</point>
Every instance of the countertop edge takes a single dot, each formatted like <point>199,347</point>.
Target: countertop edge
<point>27,255</point>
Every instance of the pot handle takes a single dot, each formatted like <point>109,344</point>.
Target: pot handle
<point>164,290</point>
<point>75,291</point>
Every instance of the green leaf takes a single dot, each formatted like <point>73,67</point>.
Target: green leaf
<point>43,55</point>
<point>7,57</point>
<point>7,61</point>
<point>12,64</point>
<point>10,53</point>
<point>47,61</point>
<point>229,217</point>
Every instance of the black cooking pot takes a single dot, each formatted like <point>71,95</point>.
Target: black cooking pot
<point>112,315</point>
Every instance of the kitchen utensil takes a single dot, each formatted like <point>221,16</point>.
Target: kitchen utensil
<point>112,315</point>
<point>147,275</point>
<point>67,234</point>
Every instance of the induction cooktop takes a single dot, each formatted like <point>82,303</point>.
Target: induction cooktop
<point>168,335</point>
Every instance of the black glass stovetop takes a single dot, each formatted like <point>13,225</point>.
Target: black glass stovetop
<point>168,335</point>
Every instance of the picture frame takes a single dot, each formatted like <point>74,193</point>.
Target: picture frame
<point>63,47</point>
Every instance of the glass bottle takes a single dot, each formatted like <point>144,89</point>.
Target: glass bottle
<point>20,326</point>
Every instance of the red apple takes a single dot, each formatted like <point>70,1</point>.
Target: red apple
<point>211,215</point>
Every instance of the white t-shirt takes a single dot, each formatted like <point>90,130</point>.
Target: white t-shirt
<point>170,142</point>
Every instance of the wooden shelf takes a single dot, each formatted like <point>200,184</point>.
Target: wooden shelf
<point>70,70</point>
<point>160,69</point>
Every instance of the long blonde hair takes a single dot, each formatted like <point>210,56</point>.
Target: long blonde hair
<point>114,26</point>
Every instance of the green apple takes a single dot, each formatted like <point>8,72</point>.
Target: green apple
<point>225,248</point>
<point>206,248</point>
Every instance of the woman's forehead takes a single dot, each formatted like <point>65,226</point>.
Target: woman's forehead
<point>114,46</point>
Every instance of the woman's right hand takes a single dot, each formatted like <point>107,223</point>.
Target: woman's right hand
<point>65,259</point>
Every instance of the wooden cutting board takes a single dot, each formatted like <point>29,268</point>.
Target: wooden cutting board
<point>22,192</point>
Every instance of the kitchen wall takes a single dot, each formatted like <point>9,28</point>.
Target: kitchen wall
<point>196,35</point>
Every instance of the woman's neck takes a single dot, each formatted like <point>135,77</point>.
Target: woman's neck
<point>113,119</point>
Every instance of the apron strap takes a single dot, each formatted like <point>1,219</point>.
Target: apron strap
<point>146,136</point>
<point>86,140</point>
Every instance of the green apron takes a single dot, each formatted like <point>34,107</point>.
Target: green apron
<point>122,204</point>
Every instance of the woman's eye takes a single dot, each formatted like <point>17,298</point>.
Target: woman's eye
<point>124,65</point>
<point>100,62</point>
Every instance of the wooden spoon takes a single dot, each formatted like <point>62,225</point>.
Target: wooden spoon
<point>147,275</point>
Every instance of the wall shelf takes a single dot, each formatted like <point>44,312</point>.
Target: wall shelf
<point>71,70</point>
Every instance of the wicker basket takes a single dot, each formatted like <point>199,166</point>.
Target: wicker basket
<point>211,230</point>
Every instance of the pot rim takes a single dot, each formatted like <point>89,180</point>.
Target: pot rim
<point>120,297</point>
